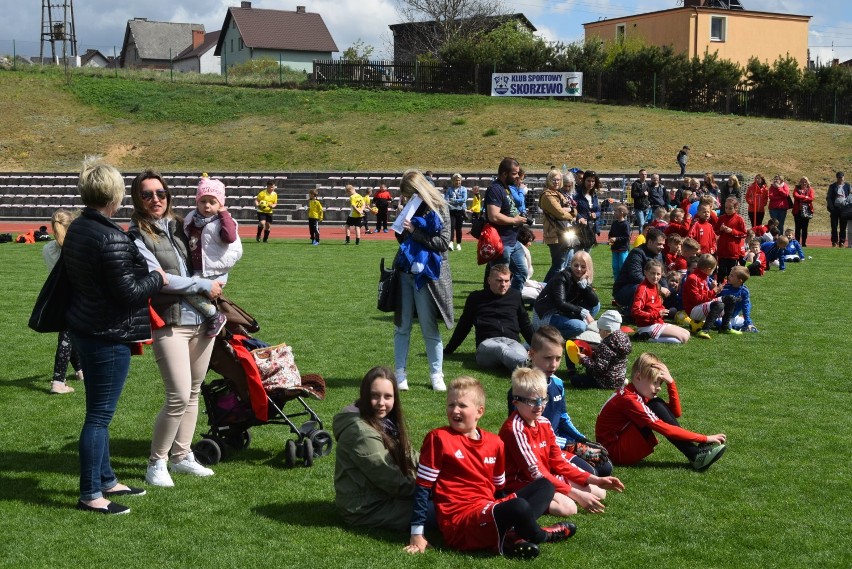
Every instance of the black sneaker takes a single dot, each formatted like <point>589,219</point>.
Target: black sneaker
<point>560,531</point>
<point>517,548</point>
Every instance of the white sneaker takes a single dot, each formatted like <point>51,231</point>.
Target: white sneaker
<point>458,246</point>
<point>402,385</point>
<point>438,383</point>
<point>158,474</point>
<point>190,466</point>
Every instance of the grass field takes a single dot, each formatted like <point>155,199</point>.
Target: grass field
<point>49,125</point>
<point>778,498</point>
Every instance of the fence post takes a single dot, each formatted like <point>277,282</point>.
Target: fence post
<point>280,71</point>
<point>171,67</point>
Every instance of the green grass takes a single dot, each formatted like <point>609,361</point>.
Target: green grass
<point>778,498</point>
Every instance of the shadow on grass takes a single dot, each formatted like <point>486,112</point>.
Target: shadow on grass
<point>38,383</point>
<point>324,514</point>
<point>27,490</point>
<point>667,464</point>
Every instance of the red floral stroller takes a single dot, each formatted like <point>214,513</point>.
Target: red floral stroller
<point>250,395</point>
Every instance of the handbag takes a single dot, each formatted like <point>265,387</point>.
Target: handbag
<point>53,301</point>
<point>237,316</point>
<point>846,211</point>
<point>806,212</point>
<point>476,226</point>
<point>277,367</point>
<point>490,246</point>
<point>388,288</point>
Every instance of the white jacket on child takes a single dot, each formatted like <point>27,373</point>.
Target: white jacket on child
<point>217,257</point>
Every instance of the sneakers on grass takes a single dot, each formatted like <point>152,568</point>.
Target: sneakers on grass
<point>190,466</point>
<point>701,334</point>
<point>158,475</point>
<point>438,383</point>
<point>707,455</point>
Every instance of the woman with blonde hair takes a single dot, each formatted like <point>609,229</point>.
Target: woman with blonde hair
<point>60,221</point>
<point>568,301</point>
<point>731,188</point>
<point>110,285</point>
<point>425,281</point>
<point>559,211</point>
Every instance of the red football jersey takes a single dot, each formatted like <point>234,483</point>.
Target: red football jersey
<point>532,453</point>
<point>463,474</point>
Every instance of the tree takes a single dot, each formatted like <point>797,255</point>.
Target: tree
<point>358,51</point>
<point>445,20</point>
<point>507,45</point>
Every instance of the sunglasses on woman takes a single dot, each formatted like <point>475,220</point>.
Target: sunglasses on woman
<point>148,195</point>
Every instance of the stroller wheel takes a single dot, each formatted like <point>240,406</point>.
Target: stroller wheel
<point>290,453</point>
<point>239,440</point>
<point>308,452</point>
<point>322,442</point>
<point>207,452</point>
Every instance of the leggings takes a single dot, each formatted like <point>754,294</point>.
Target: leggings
<point>456,223</point>
<point>64,353</point>
<point>802,229</point>
<point>522,513</point>
<point>661,410</point>
<point>756,217</point>
<point>725,266</point>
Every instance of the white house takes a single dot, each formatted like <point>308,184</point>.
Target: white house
<point>295,39</point>
<point>199,57</point>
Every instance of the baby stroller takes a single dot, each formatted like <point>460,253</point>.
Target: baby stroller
<point>241,399</point>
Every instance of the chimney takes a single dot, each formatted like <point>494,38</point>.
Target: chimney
<point>245,4</point>
<point>197,38</point>
<point>300,9</point>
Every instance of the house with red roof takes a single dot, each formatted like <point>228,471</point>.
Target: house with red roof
<point>199,57</point>
<point>295,39</point>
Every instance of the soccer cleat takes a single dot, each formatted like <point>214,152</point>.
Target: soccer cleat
<point>682,319</point>
<point>560,531</point>
<point>707,455</point>
<point>730,331</point>
<point>702,334</point>
<point>517,548</point>
<point>695,326</point>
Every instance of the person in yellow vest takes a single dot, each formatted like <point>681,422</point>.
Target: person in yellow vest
<point>315,215</point>
<point>356,201</point>
<point>475,204</point>
<point>265,202</point>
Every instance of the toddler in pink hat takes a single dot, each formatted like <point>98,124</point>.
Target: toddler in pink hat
<point>214,246</point>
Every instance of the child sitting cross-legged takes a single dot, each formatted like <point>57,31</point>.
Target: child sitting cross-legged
<point>755,259</point>
<point>545,354</point>
<point>700,302</point>
<point>648,311</point>
<point>736,289</point>
<point>627,421</point>
<point>533,453</point>
<point>793,252</point>
<point>463,467</point>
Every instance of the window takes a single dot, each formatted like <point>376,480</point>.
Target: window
<point>232,45</point>
<point>620,31</point>
<point>242,45</point>
<point>718,25</point>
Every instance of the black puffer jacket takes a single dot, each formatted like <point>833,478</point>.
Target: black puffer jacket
<point>110,281</point>
<point>564,295</point>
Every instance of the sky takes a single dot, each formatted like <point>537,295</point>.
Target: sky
<point>101,23</point>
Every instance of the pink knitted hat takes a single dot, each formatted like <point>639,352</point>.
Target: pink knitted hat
<point>211,187</point>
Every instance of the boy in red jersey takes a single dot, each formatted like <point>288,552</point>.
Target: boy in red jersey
<point>464,468</point>
<point>671,253</point>
<point>627,421</point>
<point>700,302</point>
<point>533,453</point>
<point>702,230</point>
<point>731,229</point>
<point>677,223</point>
<point>755,259</point>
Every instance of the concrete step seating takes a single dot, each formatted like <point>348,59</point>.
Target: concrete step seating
<point>34,196</point>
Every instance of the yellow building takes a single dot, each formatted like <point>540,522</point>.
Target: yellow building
<point>736,35</point>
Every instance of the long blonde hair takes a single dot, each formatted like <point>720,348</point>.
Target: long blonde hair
<point>413,182</point>
<point>590,267</point>
<point>60,220</point>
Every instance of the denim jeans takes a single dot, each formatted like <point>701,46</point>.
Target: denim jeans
<point>517,261</point>
<point>105,367</point>
<point>618,258</point>
<point>427,313</point>
<point>560,258</point>
<point>642,218</point>
<point>568,327</point>
<point>780,215</point>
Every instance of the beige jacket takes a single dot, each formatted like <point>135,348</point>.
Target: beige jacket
<point>556,206</point>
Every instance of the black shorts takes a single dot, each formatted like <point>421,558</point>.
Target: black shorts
<point>354,221</point>
<point>264,217</point>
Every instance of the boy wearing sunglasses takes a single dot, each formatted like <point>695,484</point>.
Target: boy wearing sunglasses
<point>532,451</point>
